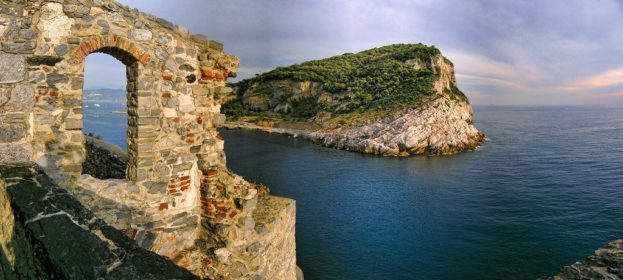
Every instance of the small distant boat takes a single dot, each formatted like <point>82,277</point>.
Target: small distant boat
<point>119,112</point>
<point>86,106</point>
<point>96,105</point>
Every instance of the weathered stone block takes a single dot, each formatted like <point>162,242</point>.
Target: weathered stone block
<point>11,133</point>
<point>77,83</point>
<point>12,68</point>
<point>156,187</point>
<point>73,124</point>
<point>186,104</point>
<point>22,99</point>
<point>5,95</point>
<point>15,153</point>
<point>41,119</point>
<point>148,121</point>
<point>141,34</point>
<point>61,50</point>
<point>54,78</point>
<point>53,23</point>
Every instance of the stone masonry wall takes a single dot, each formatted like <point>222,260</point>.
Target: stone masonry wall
<point>47,234</point>
<point>178,198</point>
<point>275,218</point>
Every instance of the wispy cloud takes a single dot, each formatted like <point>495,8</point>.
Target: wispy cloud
<point>609,78</point>
<point>504,51</point>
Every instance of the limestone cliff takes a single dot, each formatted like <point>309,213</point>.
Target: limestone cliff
<point>396,100</point>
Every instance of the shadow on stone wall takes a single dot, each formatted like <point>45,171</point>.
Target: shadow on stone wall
<point>54,237</point>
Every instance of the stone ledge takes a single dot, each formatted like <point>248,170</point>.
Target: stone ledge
<point>270,208</point>
<point>67,241</point>
<point>275,219</point>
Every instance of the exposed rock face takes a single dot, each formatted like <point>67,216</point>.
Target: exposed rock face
<point>104,161</point>
<point>278,96</point>
<point>439,122</point>
<point>442,127</point>
<point>606,264</point>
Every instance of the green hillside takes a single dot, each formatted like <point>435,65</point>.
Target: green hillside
<point>378,82</point>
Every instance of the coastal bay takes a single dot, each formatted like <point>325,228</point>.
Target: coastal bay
<point>520,207</point>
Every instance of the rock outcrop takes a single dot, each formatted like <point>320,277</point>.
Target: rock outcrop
<point>443,127</point>
<point>396,100</point>
<point>606,264</point>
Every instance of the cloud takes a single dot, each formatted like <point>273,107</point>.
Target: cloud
<point>504,51</point>
<point>609,78</point>
<point>104,71</point>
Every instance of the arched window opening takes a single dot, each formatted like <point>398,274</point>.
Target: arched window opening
<point>105,117</point>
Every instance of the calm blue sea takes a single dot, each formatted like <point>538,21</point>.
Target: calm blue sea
<point>103,118</point>
<point>543,192</point>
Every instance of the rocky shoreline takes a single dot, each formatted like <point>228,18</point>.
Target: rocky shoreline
<point>606,263</point>
<point>444,127</point>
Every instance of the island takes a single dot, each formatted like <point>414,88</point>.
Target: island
<point>396,100</point>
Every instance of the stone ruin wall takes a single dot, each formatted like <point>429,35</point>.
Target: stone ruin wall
<point>179,200</point>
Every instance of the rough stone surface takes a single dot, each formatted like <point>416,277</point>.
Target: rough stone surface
<point>53,23</point>
<point>176,197</point>
<point>443,127</point>
<point>141,34</point>
<point>15,153</point>
<point>48,234</point>
<point>606,264</point>
<point>104,160</point>
<point>22,99</point>
<point>276,217</point>
<point>12,68</point>
<point>11,133</point>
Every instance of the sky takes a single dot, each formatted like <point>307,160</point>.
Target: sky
<point>505,52</point>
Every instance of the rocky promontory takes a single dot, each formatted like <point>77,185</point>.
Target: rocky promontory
<point>606,263</point>
<point>396,100</point>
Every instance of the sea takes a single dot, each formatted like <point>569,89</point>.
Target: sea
<point>544,191</point>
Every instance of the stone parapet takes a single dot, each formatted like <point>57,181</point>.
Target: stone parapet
<point>47,234</point>
<point>275,219</point>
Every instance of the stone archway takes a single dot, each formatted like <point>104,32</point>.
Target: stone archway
<point>135,61</point>
<point>179,199</point>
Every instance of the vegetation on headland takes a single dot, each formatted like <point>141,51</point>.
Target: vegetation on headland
<point>376,82</point>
